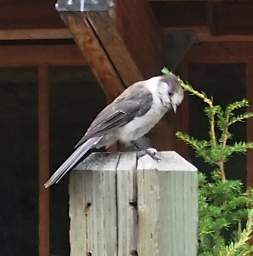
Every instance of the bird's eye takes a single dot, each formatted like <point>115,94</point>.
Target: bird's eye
<point>170,94</point>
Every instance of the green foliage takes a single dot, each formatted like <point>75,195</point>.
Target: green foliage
<point>214,154</point>
<point>217,150</point>
<point>241,247</point>
<point>225,208</point>
<point>223,211</point>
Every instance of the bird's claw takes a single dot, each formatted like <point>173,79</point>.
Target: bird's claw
<point>152,152</point>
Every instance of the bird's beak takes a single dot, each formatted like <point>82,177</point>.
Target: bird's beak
<point>174,106</point>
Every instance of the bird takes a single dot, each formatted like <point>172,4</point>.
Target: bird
<point>128,118</point>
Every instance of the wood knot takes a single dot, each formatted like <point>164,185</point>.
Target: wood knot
<point>133,253</point>
<point>87,208</point>
<point>133,203</point>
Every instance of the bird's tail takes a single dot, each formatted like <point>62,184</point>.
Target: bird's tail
<point>72,160</point>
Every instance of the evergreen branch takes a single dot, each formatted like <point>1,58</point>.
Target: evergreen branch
<point>209,101</point>
<point>225,134</point>
<point>212,129</point>
<point>221,153</point>
<point>240,147</point>
<point>201,147</point>
<point>237,105</point>
<point>195,144</point>
<point>211,113</point>
<point>226,118</point>
<point>223,125</point>
<point>240,118</point>
<point>187,87</point>
<point>241,248</point>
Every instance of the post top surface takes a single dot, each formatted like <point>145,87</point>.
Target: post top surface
<point>171,161</point>
<point>122,161</point>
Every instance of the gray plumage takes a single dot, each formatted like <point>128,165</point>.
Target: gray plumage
<point>127,118</point>
<point>125,108</point>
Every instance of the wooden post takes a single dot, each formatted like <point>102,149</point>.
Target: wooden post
<point>123,206</point>
<point>249,127</point>
<point>43,113</point>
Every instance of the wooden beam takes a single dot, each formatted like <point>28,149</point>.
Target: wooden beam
<point>61,55</point>
<point>249,93</point>
<point>116,42</point>
<point>230,17</point>
<point>43,33</point>
<point>27,14</point>
<point>226,52</point>
<point>142,35</point>
<point>115,47</point>
<point>204,35</point>
<point>222,17</point>
<point>180,13</point>
<point>43,115</point>
<point>94,53</point>
<point>41,14</point>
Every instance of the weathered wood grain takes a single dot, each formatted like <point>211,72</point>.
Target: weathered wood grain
<point>94,52</point>
<point>127,204</point>
<point>93,207</point>
<point>141,35</point>
<point>123,206</point>
<point>118,53</point>
<point>167,206</point>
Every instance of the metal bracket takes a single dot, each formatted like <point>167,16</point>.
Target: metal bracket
<point>83,5</point>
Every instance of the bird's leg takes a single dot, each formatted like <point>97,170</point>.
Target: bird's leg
<point>152,152</point>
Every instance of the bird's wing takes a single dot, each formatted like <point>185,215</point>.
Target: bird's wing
<point>109,119</point>
<point>120,112</point>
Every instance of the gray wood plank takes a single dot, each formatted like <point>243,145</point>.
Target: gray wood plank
<point>127,204</point>
<point>148,212</point>
<point>167,206</point>
<point>93,228</point>
<point>77,214</point>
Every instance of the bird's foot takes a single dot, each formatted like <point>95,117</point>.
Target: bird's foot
<point>152,152</point>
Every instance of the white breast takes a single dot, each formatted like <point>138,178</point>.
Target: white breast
<point>143,124</point>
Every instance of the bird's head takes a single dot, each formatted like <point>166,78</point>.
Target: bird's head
<point>171,92</point>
